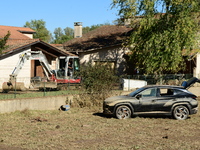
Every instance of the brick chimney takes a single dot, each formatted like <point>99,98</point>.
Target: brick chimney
<point>77,29</point>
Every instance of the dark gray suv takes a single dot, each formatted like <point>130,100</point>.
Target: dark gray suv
<point>157,99</point>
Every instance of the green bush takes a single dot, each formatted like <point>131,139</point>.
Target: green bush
<point>98,78</point>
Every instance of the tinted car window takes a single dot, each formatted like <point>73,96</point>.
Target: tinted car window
<point>182,92</point>
<point>148,92</point>
<point>136,92</point>
<point>166,91</point>
<point>178,92</point>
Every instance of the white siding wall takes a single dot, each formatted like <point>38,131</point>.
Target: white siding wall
<point>8,64</point>
<point>29,35</point>
<point>197,69</point>
<point>115,54</point>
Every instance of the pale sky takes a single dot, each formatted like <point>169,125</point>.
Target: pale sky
<point>57,13</point>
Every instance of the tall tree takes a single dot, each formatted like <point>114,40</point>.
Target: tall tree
<point>3,42</point>
<point>61,36</point>
<point>69,31</point>
<point>164,30</point>
<point>58,32</point>
<point>41,31</point>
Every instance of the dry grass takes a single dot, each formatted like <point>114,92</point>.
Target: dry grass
<point>84,128</point>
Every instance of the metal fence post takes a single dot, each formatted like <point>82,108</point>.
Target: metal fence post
<point>44,93</point>
<point>15,88</point>
<point>128,82</point>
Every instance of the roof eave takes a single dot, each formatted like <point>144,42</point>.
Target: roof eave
<point>30,32</point>
<point>30,44</point>
<point>98,48</point>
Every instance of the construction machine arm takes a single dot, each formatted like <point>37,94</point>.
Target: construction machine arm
<point>22,59</point>
<point>38,55</point>
<point>33,55</point>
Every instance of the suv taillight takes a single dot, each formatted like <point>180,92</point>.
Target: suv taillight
<point>194,97</point>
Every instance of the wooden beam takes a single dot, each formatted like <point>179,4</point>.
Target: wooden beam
<point>38,48</point>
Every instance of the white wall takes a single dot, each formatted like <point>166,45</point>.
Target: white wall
<point>130,84</point>
<point>8,64</point>
<point>114,54</point>
<point>29,35</point>
<point>197,69</point>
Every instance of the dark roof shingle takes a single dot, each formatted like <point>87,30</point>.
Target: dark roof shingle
<point>103,36</point>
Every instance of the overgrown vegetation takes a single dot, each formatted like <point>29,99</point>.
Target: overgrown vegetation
<point>98,81</point>
<point>165,30</point>
<point>98,78</point>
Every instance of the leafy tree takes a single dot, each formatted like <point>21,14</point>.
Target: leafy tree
<point>61,36</point>
<point>3,42</point>
<point>165,29</point>
<point>41,31</point>
<point>69,31</point>
<point>58,32</point>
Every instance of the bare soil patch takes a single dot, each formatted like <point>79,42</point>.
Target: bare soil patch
<point>84,128</point>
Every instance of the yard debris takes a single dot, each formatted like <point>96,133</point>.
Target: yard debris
<point>57,127</point>
<point>165,137</point>
<point>38,119</point>
<point>64,107</point>
<point>85,125</point>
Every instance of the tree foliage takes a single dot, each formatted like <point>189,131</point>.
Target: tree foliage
<point>164,31</point>
<point>98,78</point>
<point>3,42</point>
<point>61,36</point>
<point>39,26</point>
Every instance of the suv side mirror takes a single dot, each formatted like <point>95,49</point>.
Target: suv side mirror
<point>138,96</point>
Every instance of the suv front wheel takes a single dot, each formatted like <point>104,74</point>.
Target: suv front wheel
<point>180,112</point>
<point>123,112</point>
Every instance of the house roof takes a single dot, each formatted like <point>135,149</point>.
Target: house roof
<point>15,32</point>
<point>103,36</point>
<point>15,45</point>
<point>18,42</point>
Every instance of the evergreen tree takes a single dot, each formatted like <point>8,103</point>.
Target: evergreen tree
<point>3,42</point>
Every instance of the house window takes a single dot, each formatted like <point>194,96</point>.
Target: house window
<point>110,64</point>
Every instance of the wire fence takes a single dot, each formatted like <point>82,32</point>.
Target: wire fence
<point>175,79</point>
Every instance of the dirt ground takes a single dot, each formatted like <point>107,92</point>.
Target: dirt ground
<point>86,128</point>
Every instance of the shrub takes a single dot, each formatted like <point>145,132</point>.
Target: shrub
<point>98,78</point>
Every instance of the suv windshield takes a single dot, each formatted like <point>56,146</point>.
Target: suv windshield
<point>132,94</point>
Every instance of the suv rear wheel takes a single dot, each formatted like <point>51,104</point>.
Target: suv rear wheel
<point>123,112</point>
<point>180,112</point>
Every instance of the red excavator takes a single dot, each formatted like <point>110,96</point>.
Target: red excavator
<point>68,65</point>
